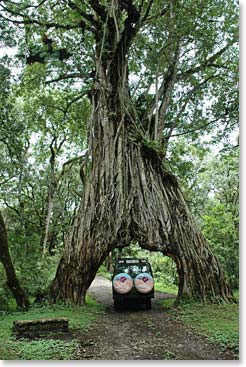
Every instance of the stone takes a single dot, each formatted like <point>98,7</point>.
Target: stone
<point>38,327</point>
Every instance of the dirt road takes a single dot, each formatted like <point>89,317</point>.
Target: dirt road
<point>136,334</point>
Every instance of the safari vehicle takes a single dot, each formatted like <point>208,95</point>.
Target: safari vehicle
<point>132,281</point>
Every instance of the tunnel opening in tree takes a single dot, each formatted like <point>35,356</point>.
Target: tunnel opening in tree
<point>163,268</point>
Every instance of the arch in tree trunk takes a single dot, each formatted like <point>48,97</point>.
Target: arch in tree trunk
<point>135,199</point>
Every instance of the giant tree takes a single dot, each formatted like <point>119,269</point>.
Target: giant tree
<point>153,70</point>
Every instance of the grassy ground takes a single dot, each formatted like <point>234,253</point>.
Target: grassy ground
<point>219,323</point>
<point>79,318</point>
<point>167,288</point>
<point>104,272</point>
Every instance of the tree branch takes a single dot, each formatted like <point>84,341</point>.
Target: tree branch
<point>173,125</point>
<point>27,6</point>
<point>158,15</point>
<point>67,76</point>
<point>75,100</point>
<point>19,213</point>
<point>6,180</point>
<point>210,62</point>
<point>147,11</point>
<point>70,161</point>
<point>27,20</point>
<point>132,24</point>
<point>197,128</point>
<point>87,17</point>
<point>99,9</point>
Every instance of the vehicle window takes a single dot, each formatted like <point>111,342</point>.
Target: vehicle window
<point>133,269</point>
<point>123,269</point>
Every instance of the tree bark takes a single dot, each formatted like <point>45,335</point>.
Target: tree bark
<point>12,281</point>
<point>128,193</point>
<point>138,201</point>
<point>50,198</point>
<point>129,196</point>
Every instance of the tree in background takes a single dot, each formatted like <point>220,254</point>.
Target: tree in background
<point>40,183</point>
<point>210,182</point>
<point>220,220</point>
<point>12,280</point>
<point>152,71</point>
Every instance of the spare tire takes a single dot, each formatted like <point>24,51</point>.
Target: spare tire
<point>122,283</point>
<point>144,283</point>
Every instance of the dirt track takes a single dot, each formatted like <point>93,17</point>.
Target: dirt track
<point>136,334</point>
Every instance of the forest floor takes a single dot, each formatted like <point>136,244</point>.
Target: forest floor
<point>138,334</point>
<point>193,331</point>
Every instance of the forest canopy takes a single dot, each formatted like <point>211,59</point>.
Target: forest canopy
<point>178,99</point>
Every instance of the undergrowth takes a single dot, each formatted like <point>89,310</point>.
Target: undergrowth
<point>219,323</point>
<point>80,318</point>
<point>166,288</point>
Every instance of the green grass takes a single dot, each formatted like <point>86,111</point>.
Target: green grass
<point>236,295</point>
<point>168,355</point>
<point>40,350</point>
<point>104,272</point>
<point>46,349</point>
<point>219,323</point>
<point>167,288</point>
<point>167,303</point>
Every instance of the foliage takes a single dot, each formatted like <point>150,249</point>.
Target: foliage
<point>50,348</point>
<point>188,51</point>
<point>34,272</point>
<point>104,272</point>
<point>211,187</point>
<point>163,286</point>
<point>219,229</point>
<point>35,123</point>
<point>189,48</point>
<point>219,323</point>
<point>220,219</point>
<point>6,296</point>
<point>168,355</point>
<point>37,349</point>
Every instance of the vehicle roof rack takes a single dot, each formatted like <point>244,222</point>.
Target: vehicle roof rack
<point>131,260</point>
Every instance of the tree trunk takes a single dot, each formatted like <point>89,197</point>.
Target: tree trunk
<point>133,198</point>
<point>47,223</point>
<point>109,262</point>
<point>12,281</point>
<point>128,194</point>
<point>50,199</point>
